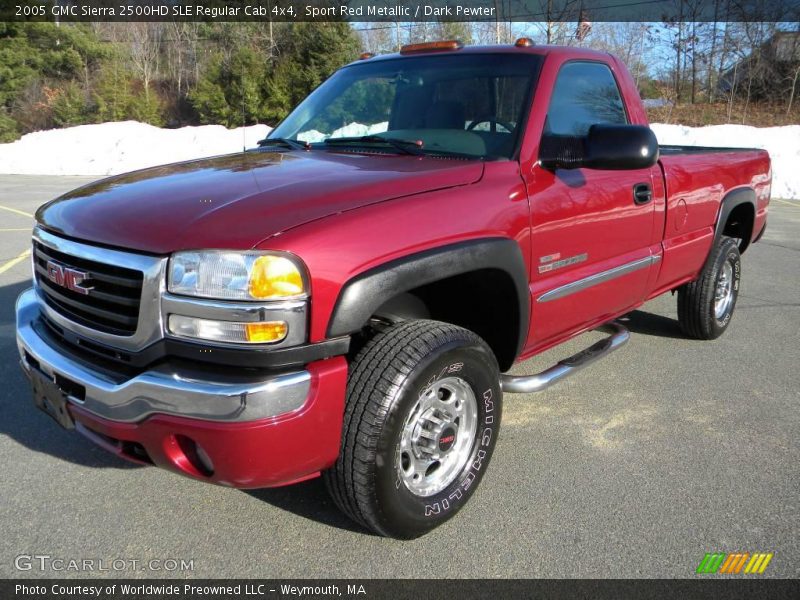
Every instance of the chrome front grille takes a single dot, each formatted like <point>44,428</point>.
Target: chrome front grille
<point>122,308</point>
<point>127,302</point>
<point>112,302</point>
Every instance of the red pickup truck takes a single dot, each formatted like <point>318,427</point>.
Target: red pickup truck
<point>345,299</point>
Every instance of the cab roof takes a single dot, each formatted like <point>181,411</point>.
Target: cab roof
<point>543,50</point>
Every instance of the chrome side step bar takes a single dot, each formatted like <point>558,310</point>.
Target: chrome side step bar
<point>525,384</point>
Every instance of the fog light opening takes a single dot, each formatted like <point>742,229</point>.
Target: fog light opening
<point>205,460</point>
<point>198,458</point>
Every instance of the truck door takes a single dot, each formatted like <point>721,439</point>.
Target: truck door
<point>591,230</point>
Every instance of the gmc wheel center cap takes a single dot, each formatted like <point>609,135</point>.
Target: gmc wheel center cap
<point>447,438</point>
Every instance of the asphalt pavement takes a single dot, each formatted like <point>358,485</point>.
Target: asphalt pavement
<point>636,467</point>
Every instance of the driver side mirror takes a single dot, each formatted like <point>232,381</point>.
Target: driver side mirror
<point>613,147</point>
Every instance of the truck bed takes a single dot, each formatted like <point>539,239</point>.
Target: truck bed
<point>697,179</point>
<point>671,150</point>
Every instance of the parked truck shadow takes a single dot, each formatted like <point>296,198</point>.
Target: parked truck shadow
<point>646,323</point>
<point>310,500</point>
<point>22,421</point>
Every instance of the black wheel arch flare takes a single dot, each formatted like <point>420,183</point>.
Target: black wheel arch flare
<point>730,201</point>
<point>361,296</point>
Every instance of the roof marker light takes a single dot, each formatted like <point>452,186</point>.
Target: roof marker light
<point>431,47</point>
<point>524,42</point>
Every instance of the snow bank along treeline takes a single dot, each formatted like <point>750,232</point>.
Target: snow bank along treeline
<point>782,143</point>
<point>111,148</point>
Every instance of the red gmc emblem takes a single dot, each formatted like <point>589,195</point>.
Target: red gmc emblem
<point>67,277</point>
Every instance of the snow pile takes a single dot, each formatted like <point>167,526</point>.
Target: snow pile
<point>111,148</point>
<point>349,130</point>
<point>782,143</point>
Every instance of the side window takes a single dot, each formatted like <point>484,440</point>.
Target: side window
<point>585,93</point>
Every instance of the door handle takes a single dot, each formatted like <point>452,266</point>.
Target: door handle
<point>642,193</point>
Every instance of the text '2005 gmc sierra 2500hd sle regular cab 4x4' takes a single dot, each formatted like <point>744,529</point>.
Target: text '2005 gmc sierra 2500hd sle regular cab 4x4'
<point>346,305</point>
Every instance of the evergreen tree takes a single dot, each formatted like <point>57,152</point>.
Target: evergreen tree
<point>232,91</point>
<point>229,73</point>
<point>51,58</point>
<point>310,53</point>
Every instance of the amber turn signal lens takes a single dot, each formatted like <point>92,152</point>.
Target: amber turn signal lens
<point>270,331</point>
<point>275,277</point>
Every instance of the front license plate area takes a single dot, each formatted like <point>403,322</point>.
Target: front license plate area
<point>49,398</point>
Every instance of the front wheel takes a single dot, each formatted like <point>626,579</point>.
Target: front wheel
<point>705,305</point>
<point>421,421</point>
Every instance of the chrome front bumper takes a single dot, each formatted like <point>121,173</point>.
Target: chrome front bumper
<point>161,390</point>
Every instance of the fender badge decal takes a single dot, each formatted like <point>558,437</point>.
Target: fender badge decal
<point>558,264</point>
<point>549,257</point>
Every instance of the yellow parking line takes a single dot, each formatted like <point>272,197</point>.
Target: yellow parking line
<point>14,261</point>
<point>19,212</point>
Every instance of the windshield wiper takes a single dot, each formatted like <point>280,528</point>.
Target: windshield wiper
<point>404,146</point>
<point>286,142</point>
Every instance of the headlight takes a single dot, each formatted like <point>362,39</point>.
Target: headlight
<point>228,275</point>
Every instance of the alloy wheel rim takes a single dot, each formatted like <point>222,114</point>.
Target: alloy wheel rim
<point>436,439</point>
<point>723,295</point>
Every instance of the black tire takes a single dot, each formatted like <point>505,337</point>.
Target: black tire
<point>387,379</point>
<point>696,300</point>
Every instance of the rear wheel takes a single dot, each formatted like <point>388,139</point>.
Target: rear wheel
<point>705,306</point>
<point>421,421</point>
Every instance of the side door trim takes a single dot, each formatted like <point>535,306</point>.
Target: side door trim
<point>601,277</point>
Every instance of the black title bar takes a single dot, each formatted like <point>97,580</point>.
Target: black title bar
<point>411,589</point>
<point>400,10</point>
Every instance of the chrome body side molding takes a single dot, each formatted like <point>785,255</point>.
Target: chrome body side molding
<point>597,278</point>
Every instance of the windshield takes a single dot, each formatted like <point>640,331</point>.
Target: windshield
<point>470,105</point>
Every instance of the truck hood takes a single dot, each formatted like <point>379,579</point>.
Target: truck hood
<point>236,201</point>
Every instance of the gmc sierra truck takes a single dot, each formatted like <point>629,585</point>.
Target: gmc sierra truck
<point>345,299</point>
